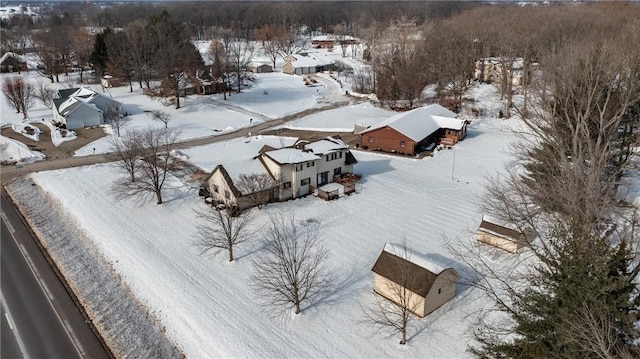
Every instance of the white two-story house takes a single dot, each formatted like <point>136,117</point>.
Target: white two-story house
<point>297,171</point>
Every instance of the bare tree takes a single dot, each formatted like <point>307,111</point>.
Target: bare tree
<point>395,306</point>
<point>152,166</point>
<point>116,119</point>
<point>240,55</point>
<point>584,260</point>
<point>259,187</point>
<point>43,93</point>
<point>159,115</point>
<point>222,229</point>
<point>126,152</point>
<point>291,269</point>
<point>82,48</point>
<point>19,94</point>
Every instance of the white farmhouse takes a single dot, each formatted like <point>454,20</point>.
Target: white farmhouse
<point>297,171</point>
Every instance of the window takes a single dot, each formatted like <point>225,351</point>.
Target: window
<point>337,171</point>
<point>439,290</point>
<point>227,195</point>
<point>286,185</point>
<point>403,144</point>
<point>215,188</point>
<point>340,154</point>
<point>370,138</point>
<point>299,167</point>
<point>305,181</point>
<point>311,163</point>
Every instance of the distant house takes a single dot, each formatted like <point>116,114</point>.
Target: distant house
<point>409,132</point>
<point>323,41</point>
<point>307,63</point>
<point>428,284</point>
<point>11,62</point>
<point>84,107</point>
<point>205,83</point>
<point>490,70</point>
<point>500,235</point>
<point>297,171</point>
<point>260,68</point>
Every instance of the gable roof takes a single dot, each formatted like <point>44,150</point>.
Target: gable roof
<point>326,145</point>
<point>231,172</point>
<point>495,227</point>
<point>408,268</point>
<point>419,123</point>
<point>310,59</point>
<point>291,156</point>
<point>71,99</point>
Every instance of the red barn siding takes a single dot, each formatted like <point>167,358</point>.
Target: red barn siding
<point>388,140</point>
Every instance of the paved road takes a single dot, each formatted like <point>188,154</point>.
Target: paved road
<point>44,318</point>
<point>46,322</point>
<point>9,172</point>
<point>9,347</point>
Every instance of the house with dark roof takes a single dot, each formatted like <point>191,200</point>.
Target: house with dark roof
<point>413,280</point>
<point>296,171</point>
<point>84,107</point>
<point>409,132</point>
<point>500,235</point>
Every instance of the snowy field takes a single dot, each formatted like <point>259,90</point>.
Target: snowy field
<point>206,303</point>
<point>273,96</point>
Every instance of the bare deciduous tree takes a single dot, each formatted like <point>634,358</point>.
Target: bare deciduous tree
<point>125,151</point>
<point>291,269</point>
<point>159,115</point>
<point>257,187</point>
<point>240,55</point>
<point>395,314</point>
<point>43,93</point>
<point>152,165</point>
<point>221,229</point>
<point>19,94</point>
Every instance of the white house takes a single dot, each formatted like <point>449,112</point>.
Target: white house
<point>297,171</point>
<point>307,63</point>
<point>84,107</point>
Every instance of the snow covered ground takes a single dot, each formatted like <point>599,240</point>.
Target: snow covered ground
<point>206,303</point>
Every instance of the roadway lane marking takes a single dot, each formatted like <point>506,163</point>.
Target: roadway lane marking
<point>45,289</point>
<point>75,339</point>
<point>16,334</point>
<point>65,325</point>
<point>6,221</point>
<point>6,315</point>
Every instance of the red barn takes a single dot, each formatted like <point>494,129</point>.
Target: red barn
<point>408,132</point>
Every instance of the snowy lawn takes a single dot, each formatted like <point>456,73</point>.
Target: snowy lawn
<point>207,304</point>
<point>274,95</point>
<point>341,119</point>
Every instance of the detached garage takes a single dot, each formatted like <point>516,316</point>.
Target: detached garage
<point>405,276</point>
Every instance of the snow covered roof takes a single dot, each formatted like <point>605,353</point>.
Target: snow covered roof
<point>326,145</point>
<point>247,167</point>
<point>291,155</point>
<point>408,268</point>
<point>414,257</point>
<point>11,55</point>
<point>311,59</point>
<point>421,122</point>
